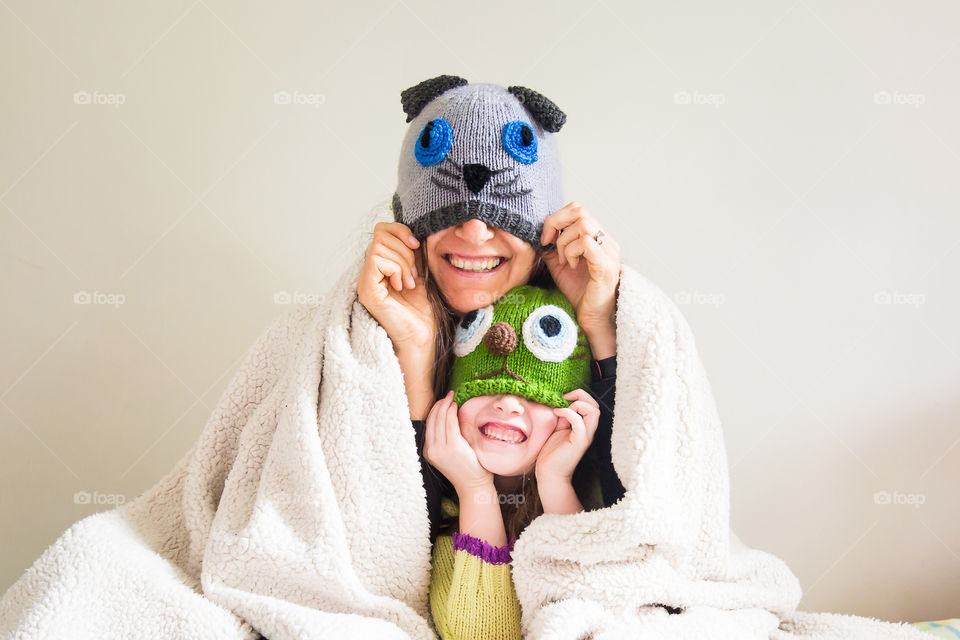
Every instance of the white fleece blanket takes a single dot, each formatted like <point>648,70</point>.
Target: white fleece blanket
<point>300,512</point>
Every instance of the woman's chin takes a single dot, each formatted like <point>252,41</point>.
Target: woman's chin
<point>467,293</point>
<point>468,296</point>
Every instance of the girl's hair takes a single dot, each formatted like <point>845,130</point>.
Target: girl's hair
<point>520,511</point>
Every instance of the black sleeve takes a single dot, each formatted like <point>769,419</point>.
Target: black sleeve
<point>603,380</point>
<point>433,481</point>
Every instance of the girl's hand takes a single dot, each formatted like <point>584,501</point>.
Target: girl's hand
<point>589,284</point>
<point>445,448</point>
<point>566,445</point>
<point>391,287</point>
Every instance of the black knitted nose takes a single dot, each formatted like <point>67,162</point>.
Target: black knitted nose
<point>476,176</point>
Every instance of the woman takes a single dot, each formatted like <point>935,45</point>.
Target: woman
<point>420,319</point>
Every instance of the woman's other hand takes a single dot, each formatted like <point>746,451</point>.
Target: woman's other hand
<point>446,449</point>
<point>587,273</point>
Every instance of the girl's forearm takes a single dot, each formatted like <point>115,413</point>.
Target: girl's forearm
<point>558,497</point>
<point>480,515</point>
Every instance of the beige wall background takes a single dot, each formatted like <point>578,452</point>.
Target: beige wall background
<point>787,170</point>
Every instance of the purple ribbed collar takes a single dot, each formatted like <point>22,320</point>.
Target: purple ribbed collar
<point>482,548</point>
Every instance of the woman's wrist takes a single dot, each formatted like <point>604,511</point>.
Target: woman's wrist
<point>602,339</point>
<point>419,403</point>
<point>417,367</point>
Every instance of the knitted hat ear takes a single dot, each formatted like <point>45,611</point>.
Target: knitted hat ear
<point>418,96</point>
<point>543,110</point>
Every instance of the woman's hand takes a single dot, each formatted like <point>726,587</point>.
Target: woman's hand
<point>589,284</point>
<point>445,448</point>
<point>565,447</point>
<point>391,288</point>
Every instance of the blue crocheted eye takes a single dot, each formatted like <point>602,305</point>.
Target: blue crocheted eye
<point>550,333</point>
<point>520,141</point>
<point>434,142</point>
<point>470,330</point>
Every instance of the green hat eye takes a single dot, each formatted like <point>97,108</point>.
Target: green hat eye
<point>470,330</point>
<point>550,333</point>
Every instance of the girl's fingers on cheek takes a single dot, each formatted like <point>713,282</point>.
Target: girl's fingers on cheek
<point>582,434</point>
<point>560,419</point>
<point>442,406</point>
<point>451,405</point>
<point>582,408</point>
<point>431,421</point>
<point>439,427</point>
<point>453,427</point>
<point>451,415</point>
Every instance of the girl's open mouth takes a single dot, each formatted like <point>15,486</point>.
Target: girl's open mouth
<point>501,434</point>
<point>473,267</point>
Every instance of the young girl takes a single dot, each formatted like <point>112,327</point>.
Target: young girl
<point>507,438</point>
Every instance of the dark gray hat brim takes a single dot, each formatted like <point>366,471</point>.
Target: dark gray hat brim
<point>453,214</point>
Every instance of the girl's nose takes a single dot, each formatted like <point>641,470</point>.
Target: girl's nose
<point>474,231</point>
<point>509,403</point>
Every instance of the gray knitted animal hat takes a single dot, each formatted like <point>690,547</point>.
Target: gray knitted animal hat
<point>478,151</point>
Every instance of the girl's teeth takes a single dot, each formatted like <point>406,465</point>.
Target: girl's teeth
<point>475,265</point>
<point>505,435</point>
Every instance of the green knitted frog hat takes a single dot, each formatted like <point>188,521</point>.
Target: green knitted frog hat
<point>527,344</point>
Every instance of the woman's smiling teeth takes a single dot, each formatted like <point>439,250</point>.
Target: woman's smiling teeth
<point>485,264</point>
<point>504,434</point>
